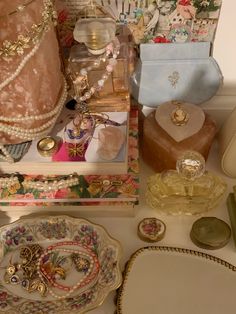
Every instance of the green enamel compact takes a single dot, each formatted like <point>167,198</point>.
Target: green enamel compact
<point>210,233</point>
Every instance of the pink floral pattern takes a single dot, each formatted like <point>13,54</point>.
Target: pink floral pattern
<point>151,227</point>
<point>56,229</point>
<point>7,300</point>
<point>146,27</point>
<point>89,237</point>
<point>99,187</point>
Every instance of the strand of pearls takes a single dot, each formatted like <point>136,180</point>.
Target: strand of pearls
<point>4,155</point>
<point>21,66</point>
<point>39,117</point>
<point>31,134</point>
<point>44,186</point>
<point>92,272</point>
<point>112,48</point>
<point>35,133</point>
<point>55,185</point>
<point>8,182</point>
<point>41,269</point>
<point>11,48</point>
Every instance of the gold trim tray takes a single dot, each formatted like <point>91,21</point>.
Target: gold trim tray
<point>56,265</point>
<point>167,280</point>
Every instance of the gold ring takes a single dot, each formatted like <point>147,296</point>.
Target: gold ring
<point>47,146</point>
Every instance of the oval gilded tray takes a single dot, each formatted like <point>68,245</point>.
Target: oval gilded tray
<point>56,265</point>
<point>167,280</point>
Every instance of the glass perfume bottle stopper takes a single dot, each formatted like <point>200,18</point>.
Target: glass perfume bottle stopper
<point>95,28</point>
<point>191,165</point>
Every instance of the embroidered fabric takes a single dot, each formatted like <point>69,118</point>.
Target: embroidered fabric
<point>27,106</point>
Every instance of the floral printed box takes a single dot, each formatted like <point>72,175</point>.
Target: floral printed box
<point>91,190</point>
<point>158,21</point>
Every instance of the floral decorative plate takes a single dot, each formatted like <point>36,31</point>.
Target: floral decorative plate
<point>167,280</point>
<point>56,265</point>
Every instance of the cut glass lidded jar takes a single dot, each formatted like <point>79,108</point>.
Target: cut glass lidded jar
<point>187,190</point>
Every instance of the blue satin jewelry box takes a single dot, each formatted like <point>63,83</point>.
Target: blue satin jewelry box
<point>175,71</point>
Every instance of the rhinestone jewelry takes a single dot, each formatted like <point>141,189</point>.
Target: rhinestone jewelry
<point>29,281</point>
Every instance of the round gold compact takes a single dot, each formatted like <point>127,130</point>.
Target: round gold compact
<point>47,146</point>
<point>210,233</point>
<point>151,229</point>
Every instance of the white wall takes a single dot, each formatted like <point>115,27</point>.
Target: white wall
<point>225,46</point>
<point>224,51</point>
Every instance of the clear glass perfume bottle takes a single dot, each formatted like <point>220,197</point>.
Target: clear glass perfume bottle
<point>187,190</point>
<point>95,30</point>
<point>117,82</point>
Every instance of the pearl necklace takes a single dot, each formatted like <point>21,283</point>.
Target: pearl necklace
<point>35,133</point>
<point>24,41</point>
<point>54,284</point>
<point>21,65</point>
<point>31,134</point>
<point>55,185</point>
<point>5,155</point>
<point>112,48</point>
<point>44,186</point>
<point>8,182</point>
<point>91,274</point>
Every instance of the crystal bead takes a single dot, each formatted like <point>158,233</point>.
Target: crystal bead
<point>112,61</point>
<point>92,90</point>
<point>105,76</point>
<point>87,95</point>
<point>20,8</point>
<point>109,68</point>
<point>96,64</point>
<point>83,72</point>
<point>101,83</point>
